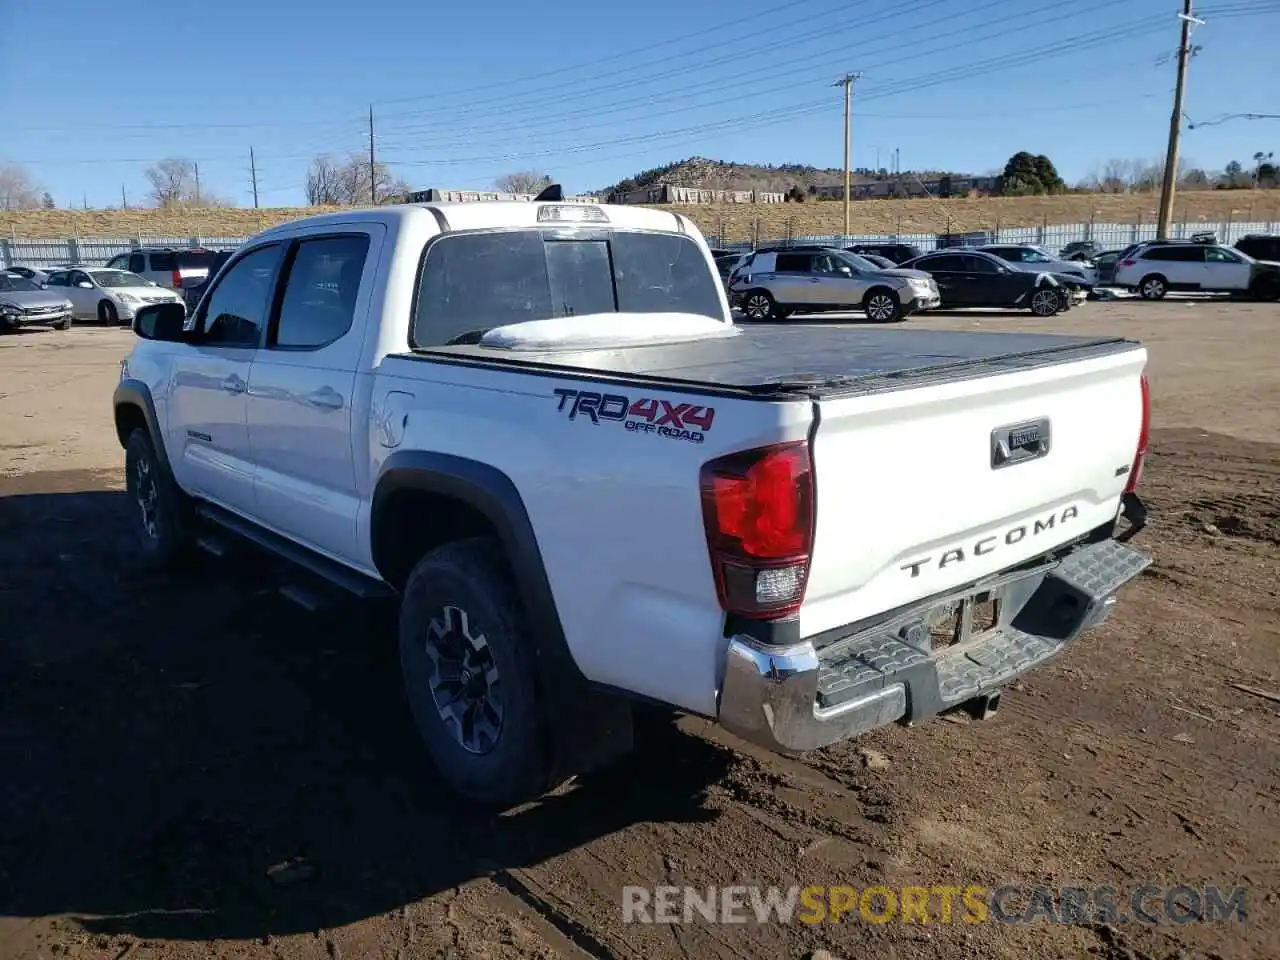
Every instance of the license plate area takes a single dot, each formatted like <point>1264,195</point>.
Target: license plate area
<point>963,621</point>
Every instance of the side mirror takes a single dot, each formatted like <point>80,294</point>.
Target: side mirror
<point>161,321</point>
<point>846,271</point>
<point>85,285</point>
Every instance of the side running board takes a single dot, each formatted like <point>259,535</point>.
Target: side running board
<point>335,573</point>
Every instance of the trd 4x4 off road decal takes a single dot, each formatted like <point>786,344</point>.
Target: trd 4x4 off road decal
<point>679,421</point>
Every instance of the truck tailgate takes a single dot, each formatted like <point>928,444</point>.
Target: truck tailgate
<point>924,489</point>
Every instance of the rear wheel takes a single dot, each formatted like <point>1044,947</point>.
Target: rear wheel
<point>1153,287</point>
<point>466,650</point>
<point>107,313</point>
<point>1045,302</point>
<point>760,305</point>
<point>882,305</point>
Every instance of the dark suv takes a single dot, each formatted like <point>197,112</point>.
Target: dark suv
<point>193,294</point>
<point>897,252</point>
<point>1260,246</point>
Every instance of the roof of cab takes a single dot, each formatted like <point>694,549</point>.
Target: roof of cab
<point>482,214</point>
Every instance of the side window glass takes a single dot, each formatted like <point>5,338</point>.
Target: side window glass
<point>793,263</point>
<point>1214,255</point>
<point>320,292</point>
<point>57,280</point>
<point>235,310</point>
<point>137,263</point>
<point>974,264</point>
<point>118,262</point>
<point>78,277</point>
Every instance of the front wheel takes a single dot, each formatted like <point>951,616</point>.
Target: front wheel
<point>1045,302</point>
<point>1153,287</point>
<point>882,305</point>
<point>160,508</point>
<point>64,324</point>
<point>1266,292</point>
<point>468,659</point>
<point>107,313</point>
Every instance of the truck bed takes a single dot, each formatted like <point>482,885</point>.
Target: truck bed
<point>820,362</point>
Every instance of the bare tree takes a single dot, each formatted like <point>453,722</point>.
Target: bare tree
<point>17,190</point>
<point>323,187</point>
<point>523,181</point>
<point>346,183</point>
<point>47,202</point>
<point>173,182</point>
<point>1115,176</point>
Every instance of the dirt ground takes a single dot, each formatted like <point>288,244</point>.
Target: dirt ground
<point>164,743</point>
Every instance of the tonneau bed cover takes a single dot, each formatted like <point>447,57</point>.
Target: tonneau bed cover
<point>815,361</point>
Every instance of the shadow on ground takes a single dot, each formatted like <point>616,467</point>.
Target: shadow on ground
<point>165,740</point>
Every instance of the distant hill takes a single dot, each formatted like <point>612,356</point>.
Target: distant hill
<point>727,175</point>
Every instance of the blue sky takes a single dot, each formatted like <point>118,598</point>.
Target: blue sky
<point>592,92</point>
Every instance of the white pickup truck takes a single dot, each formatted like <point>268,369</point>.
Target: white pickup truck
<point>537,425</point>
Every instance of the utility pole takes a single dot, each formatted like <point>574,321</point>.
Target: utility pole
<point>253,174</point>
<point>124,198</point>
<point>197,166</point>
<point>1175,124</point>
<point>373,166</point>
<point>847,82</point>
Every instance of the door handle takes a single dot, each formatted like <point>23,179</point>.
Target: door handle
<point>326,398</point>
<point>233,384</point>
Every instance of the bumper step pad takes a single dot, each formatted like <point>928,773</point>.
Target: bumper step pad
<point>1049,609</point>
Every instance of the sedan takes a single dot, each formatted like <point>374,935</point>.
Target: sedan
<point>972,278</point>
<point>107,295</point>
<point>23,303</point>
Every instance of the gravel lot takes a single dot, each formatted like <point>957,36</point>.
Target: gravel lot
<point>165,743</point>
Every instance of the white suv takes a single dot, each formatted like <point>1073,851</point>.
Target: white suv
<point>1156,270</point>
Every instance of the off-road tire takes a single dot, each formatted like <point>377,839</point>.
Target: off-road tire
<point>162,519</point>
<point>458,594</point>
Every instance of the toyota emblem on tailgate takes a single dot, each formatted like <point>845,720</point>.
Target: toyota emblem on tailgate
<point>1019,442</point>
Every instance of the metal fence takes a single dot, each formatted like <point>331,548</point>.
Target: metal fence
<point>40,253</point>
<point>1112,236</point>
<point>36,253</point>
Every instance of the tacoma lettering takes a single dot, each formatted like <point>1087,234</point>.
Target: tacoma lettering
<point>989,543</point>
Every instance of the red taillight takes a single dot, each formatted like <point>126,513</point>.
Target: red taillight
<point>177,279</point>
<point>758,510</point>
<point>1139,459</point>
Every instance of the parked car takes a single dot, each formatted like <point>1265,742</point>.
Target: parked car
<point>899,253</point>
<point>176,269</point>
<point>772,284</point>
<point>107,295</point>
<point>973,278</point>
<point>1198,238</point>
<point>37,275</point>
<point>1260,246</point>
<point>1164,268</point>
<point>193,294</point>
<point>537,428</point>
<point>884,263</point>
<point>23,303</point>
<point>1026,256</point>
<point>1080,250</point>
<point>1105,264</point>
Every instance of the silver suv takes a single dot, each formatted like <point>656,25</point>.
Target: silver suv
<point>770,284</point>
<point>177,269</point>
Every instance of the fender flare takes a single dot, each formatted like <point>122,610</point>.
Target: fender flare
<point>135,393</point>
<point>587,726</point>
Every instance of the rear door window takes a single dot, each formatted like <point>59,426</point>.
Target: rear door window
<point>162,262</point>
<point>794,263</point>
<point>137,263</point>
<point>473,282</point>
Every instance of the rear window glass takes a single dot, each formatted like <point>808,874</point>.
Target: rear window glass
<point>195,259</point>
<point>472,283</point>
<point>161,263</point>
